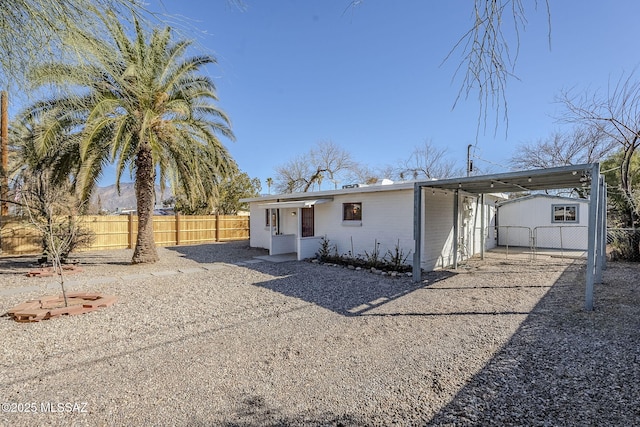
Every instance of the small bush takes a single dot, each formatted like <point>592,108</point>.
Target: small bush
<point>374,259</point>
<point>625,244</point>
<point>392,261</point>
<point>397,260</point>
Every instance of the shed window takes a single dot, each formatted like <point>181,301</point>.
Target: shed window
<point>352,211</point>
<point>565,213</point>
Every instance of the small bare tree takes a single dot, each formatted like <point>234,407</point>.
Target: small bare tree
<point>53,212</point>
<point>43,196</point>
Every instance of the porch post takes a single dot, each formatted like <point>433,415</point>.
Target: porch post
<point>298,232</point>
<point>271,227</point>
<point>456,203</point>
<point>482,232</point>
<point>417,232</point>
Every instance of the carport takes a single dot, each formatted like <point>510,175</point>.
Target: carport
<point>575,176</point>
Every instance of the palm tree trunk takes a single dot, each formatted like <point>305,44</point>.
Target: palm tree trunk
<point>145,250</point>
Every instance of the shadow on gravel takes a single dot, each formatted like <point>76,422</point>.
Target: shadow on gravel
<point>229,252</point>
<point>253,411</point>
<point>563,366</point>
<point>13,264</point>
<point>343,291</point>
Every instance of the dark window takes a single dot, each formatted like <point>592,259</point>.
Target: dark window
<point>307,222</point>
<point>270,218</point>
<point>352,212</point>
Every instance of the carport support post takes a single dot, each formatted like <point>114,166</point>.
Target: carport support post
<point>593,232</point>
<point>603,223</point>
<point>417,231</point>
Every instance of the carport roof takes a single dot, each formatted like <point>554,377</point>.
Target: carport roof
<point>573,176</point>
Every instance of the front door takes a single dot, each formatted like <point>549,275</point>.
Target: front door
<point>307,222</point>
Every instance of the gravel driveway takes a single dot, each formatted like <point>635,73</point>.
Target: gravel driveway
<point>209,336</point>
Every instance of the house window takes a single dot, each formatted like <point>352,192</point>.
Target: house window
<point>564,213</point>
<point>352,211</point>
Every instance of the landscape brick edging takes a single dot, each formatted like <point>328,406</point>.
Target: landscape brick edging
<point>47,307</point>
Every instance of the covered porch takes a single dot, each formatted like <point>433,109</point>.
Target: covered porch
<point>292,227</point>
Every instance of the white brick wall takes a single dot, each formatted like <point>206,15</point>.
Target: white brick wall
<point>387,217</point>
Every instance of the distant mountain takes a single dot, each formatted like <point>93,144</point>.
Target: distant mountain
<point>107,198</point>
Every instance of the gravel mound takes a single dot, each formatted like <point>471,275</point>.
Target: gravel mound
<point>209,336</point>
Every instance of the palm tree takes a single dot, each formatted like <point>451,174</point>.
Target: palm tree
<point>146,108</point>
<point>269,183</point>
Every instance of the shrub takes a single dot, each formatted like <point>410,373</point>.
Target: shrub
<point>397,260</point>
<point>392,261</point>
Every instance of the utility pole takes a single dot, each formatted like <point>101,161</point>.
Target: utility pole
<point>4,135</point>
<point>469,161</point>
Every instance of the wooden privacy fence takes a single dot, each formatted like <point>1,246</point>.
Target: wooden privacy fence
<point>18,237</point>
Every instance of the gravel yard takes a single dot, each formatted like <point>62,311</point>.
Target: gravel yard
<point>209,336</point>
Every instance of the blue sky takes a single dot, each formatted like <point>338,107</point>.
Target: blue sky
<point>370,78</point>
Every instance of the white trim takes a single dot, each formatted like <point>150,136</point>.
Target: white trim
<point>294,204</point>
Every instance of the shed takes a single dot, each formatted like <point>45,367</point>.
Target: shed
<point>544,221</point>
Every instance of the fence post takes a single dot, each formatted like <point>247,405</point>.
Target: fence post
<point>130,230</point>
<point>177,228</point>
<point>217,227</point>
<point>507,252</point>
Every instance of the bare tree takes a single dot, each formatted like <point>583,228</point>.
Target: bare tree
<point>581,145</point>
<point>616,114</point>
<point>331,158</point>
<point>326,160</point>
<point>292,176</point>
<point>427,161</point>
<point>361,173</point>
